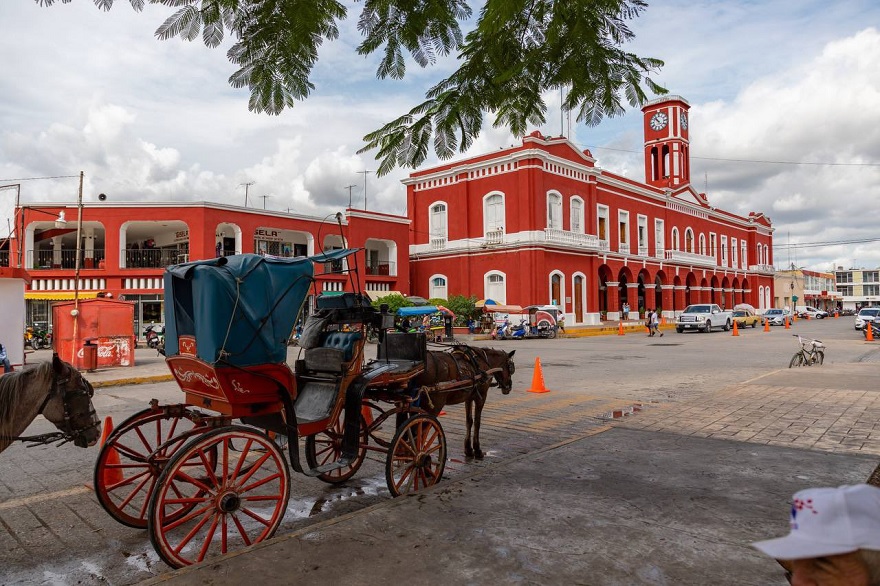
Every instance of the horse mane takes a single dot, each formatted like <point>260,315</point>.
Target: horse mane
<point>14,384</point>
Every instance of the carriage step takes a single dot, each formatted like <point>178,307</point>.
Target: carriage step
<point>329,467</point>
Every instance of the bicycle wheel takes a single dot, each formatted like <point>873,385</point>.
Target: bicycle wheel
<point>820,357</point>
<point>796,360</point>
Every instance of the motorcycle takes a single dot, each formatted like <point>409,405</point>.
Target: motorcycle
<point>37,338</point>
<point>154,334</point>
<point>521,331</point>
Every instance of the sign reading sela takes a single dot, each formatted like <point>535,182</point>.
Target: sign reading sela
<point>264,234</point>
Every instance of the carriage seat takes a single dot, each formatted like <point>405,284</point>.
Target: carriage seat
<point>336,349</point>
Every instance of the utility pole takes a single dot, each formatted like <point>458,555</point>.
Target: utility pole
<point>348,187</point>
<point>246,188</point>
<point>265,197</point>
<point>364,173</point>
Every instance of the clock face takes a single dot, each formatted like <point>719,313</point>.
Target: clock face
<point>683,121</point>
<point>659,121</point>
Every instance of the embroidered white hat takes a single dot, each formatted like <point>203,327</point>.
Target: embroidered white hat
<point>829,521</point>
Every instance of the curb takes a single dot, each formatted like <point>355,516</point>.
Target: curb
<point>135,380</point>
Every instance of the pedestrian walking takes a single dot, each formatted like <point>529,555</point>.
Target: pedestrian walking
<point>655,323</point>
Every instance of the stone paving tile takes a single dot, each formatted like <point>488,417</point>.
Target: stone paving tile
<point>826,419</point>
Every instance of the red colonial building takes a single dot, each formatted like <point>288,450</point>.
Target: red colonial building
<point>127,246</point>
<point>541,224</point>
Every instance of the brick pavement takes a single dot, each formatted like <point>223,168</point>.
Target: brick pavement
<point>833,408</point>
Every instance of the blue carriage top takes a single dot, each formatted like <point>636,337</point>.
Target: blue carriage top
<point>240,309</point>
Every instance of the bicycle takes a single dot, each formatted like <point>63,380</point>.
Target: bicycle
<point>811,352</point>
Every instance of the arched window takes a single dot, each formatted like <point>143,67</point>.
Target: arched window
<point>438,220</point>
<point>702,244</point>
<point>493,212</point>
<point>554,211</point>
<point>675,243</point>
<point>761,294</point>
<point>577,215</point>
<point>495,286</point>
<point>557,289</point>
<point>766,255</point>
<point>438,287</point>
<point>688,240</point>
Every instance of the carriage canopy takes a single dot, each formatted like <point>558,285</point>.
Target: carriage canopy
<point>239,308</point>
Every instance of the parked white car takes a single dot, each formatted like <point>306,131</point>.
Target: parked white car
<point>703,317</point>
<point>866,314</point>
<point>811,313</point>
<point>776,317</point>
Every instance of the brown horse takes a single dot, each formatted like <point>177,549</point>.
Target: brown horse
<point>464,375</point>
<point>57,391</point>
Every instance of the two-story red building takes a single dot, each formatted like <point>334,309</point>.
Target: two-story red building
<point>541,224</point>
<point>126,247</point>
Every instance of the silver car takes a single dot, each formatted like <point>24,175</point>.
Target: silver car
<point>866,314</point>
<point>776,317</point>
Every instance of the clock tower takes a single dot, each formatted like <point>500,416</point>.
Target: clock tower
<point>667,148</point>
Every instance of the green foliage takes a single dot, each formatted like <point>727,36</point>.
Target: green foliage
<point>463,308</point>
<point>394,301</point>
<point>516,51</point>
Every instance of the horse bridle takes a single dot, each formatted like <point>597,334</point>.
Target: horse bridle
<point>68,431</point>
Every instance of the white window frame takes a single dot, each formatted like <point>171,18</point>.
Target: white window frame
<point>623,219</point>
<point>642,234</point>
<point>659,237</point>
<point>713,245</point>
<point>603,212</point>
<point>693,240</point>
<point>702,244</point>
<point>554,204</point>
<point>494,224</point>
<point>675,240</point>
<point>488,293</point>
<point>576,214</point>
<point>734,252</point>
<point>435,230</point>
<point>723,250</point>
<point>433,289</point>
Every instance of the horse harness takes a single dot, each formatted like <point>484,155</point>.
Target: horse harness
<point>68,431</point>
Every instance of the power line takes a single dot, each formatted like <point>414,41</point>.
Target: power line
<point>827,243</point>
<point>763,161</point>
<point>38,178</point>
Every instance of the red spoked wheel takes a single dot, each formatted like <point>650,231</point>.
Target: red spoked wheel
<point>417,456</point>
<point>135,454</point>
<point>205,511</point>
<point>326,447</point>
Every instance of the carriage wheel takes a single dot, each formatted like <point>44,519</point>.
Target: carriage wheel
<point>201,512</point>
<point>326,446</point>
<point>417,455</point>
<point>133,457</point>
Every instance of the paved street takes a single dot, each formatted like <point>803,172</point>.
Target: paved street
<point>739,389</point>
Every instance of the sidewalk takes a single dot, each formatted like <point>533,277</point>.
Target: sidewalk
<point>668,496</point>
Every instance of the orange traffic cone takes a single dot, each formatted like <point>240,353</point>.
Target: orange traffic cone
<point>869,333</point>
<point>787,323</point>
<point>620,329</point>
<point>735,328</point>
<point>836,314</point>
<point>112,466</point>
<point>767,325</point>
<point>538,379</point>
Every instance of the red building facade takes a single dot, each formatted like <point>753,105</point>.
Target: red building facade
<point>541,224</point>
<point>127,246</point>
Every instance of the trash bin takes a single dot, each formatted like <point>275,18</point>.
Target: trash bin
<point>90,355</point>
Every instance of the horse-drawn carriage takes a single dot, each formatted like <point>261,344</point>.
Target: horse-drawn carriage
<point>210,475</point>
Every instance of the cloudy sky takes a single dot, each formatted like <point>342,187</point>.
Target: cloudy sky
<point>785,117</point>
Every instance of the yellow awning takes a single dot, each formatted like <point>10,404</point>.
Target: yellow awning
<point>59,295</point>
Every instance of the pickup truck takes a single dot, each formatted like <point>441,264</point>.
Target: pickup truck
<point>703,317</point>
